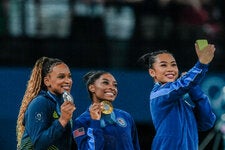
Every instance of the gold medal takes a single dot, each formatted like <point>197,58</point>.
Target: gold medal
<point>107,107</point>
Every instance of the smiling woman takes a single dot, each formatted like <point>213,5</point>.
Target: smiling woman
<point>43,120</point>
<point>178,106</point>
<point>101,126</point>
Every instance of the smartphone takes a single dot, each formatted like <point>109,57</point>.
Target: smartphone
<point>202,43</point>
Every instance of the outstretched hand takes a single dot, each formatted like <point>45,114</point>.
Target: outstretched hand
<point>205,56</point>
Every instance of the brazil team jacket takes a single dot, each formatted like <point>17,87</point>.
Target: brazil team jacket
<point>42,129</point>
<point>179,110</point>
<point>116,131</point>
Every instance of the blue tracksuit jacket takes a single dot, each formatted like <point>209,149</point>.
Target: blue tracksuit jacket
<point>42,129</point>
<point>179,109</point>
<point>113,132</point>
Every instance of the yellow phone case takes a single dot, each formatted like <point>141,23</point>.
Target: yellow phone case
<point>202,43</point>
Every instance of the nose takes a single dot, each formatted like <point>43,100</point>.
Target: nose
<point>170,68</point>
<point>112,87</point>
<point>68,80</point>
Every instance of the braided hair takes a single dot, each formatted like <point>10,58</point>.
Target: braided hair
<point>35,84</point>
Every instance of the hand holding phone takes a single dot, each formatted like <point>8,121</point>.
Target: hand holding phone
<point>202,43</point>
<point>204,51</point>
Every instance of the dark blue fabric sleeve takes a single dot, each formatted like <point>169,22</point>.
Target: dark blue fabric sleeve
<point>135,136</point>
<point>91,136</point>
<point>39,124</point>
<point>173,90</point>
<point>203,111</point>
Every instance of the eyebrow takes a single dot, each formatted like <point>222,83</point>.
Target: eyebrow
<point>167,62</point>
<point>108,80</point>
<point>105,79</point>
<point>61,73</point>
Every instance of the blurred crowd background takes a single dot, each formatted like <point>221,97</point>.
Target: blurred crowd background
<point>108,34</point>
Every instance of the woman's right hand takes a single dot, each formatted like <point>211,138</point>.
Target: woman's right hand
<point>67,109</point>
<point>95,111</point>
<point>205,56</point>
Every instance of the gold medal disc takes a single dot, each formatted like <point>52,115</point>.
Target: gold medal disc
<point>107,107</point>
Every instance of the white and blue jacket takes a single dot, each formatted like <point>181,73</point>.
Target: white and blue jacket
<point>179,110</point>
<point>116,131</point>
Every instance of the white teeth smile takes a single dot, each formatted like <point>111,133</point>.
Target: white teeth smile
<point>109,93</point>
<point>66,87</point>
